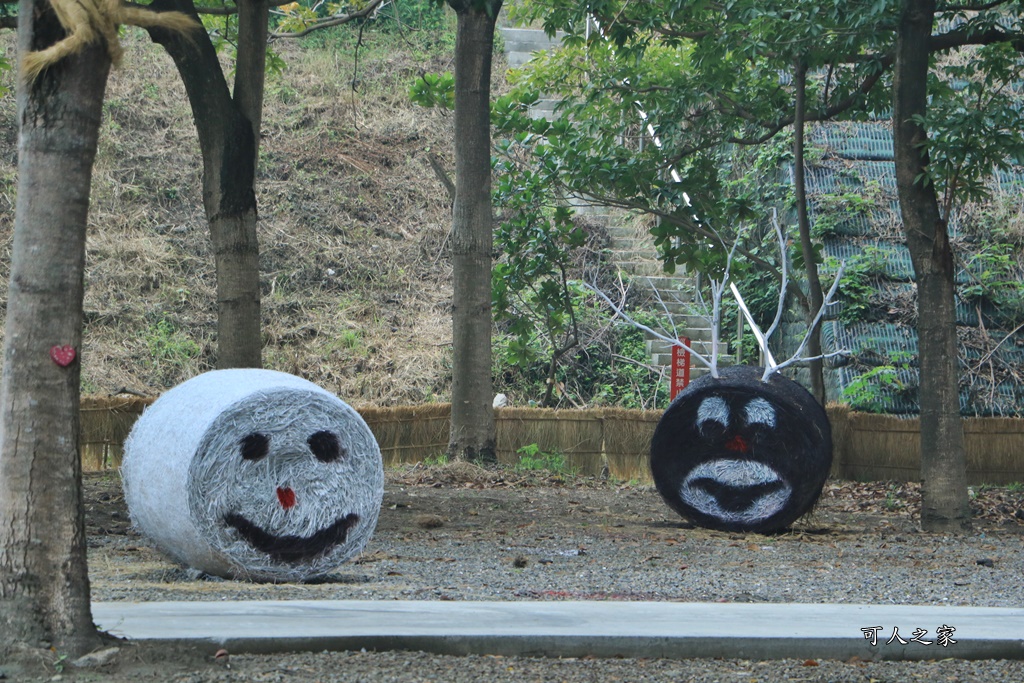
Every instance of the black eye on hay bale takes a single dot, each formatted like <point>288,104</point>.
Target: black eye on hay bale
<point>255,446</point>
<point>254,474</point>
<point>740,454</point>
<point>325,446</point>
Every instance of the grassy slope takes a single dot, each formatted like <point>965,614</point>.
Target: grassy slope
<point>355,272</point>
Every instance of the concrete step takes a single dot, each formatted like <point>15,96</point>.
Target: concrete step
<point>700,343</point>
<point>688,320</point>
<point>697,371</point>
<point>628,230</point>
<point>637,254</point>
<point>680,308</point>
<point>521,44</point>
<point>630,237</point>
<point>622,247</point>
<point>680,282</point>
<point>665,359</point>
<point>544,109</point>
<point>640,268</point>
<point>529,39</point>
<point>677,310</point>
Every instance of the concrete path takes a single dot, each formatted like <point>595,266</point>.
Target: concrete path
<point>577,629</point>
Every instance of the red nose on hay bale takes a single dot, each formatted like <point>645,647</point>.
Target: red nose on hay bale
<point>740,454</point>
<point>254,474</point>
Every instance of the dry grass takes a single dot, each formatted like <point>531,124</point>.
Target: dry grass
<point>353,229</point>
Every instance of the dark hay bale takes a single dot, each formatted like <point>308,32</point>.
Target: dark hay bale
<point>738,454</point>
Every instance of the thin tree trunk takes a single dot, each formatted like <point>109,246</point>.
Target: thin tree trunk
<point>472,429</point>
<point>251,69</point>
<point>229,151</point>
<point>945,505</point>
<point>815,296</point>
<point>44,583</point>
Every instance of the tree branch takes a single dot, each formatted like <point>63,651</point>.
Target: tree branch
<point>226,11</point>
<point>441,174</point>
<point>333,21</point>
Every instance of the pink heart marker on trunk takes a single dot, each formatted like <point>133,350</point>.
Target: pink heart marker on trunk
<point>63,355</point>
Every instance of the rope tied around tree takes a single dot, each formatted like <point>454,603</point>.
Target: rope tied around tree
<point>87,21</point>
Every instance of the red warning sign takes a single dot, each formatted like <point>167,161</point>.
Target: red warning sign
<point>680,367</point>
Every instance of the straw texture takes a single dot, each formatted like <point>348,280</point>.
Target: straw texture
<point>253,474</point>
<point>740,454</point>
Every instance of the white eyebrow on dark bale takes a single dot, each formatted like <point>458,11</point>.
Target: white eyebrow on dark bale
<point>759,411</point>
<point>713,409</point>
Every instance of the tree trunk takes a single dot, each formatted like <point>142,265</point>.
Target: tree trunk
<point>815,296</point>
<point>945,505</point>
<point>472,430</point>
<point>229,151</point>
<point>44,583</point>
<point>251,69</point>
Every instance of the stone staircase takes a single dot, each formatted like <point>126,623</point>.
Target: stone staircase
<point>632,247</point>
<point>634,254</point>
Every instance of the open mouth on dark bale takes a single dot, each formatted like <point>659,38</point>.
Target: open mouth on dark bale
<point>735,491</point>
<point>733,498</point>
<point>291,548</point>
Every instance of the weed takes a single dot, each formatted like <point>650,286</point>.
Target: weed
<point>892,501</point>
<point>89,386</point>
<point>350,339</point>
<point>533,459</point>
<point>170,349</point>
<point>436,460</point>
<point>874,390</point>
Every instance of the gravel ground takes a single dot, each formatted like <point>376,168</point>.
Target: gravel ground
<point>461,533</point>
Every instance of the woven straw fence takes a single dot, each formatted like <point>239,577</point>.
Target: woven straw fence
<point>627,442</point>
<point>408,434</point>
<point>105,425</point>
<point>615,442</point>
<point>576,434</point>
<point>883,447</point>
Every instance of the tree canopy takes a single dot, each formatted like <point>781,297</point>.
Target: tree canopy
<point>660,99</point>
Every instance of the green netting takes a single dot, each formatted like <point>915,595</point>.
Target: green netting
<point>896,392</point>
<point>870,343</point>
<point>857,141</point>
<point>1011,180</point>
<point>834,177</point>
<point>966,314</point>
<point>858,167</point>
<point>992,317</point>
<point>881,258</point>
<point>1006,353</point>
<point>830,217</point>
<point>984,399</point>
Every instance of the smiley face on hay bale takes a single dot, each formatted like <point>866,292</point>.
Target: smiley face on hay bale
<point>736,453</point>
<point>254,474</point>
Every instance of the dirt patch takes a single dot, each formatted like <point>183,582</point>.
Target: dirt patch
<point>458,493</point>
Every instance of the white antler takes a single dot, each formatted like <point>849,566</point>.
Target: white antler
<point>718,288</point>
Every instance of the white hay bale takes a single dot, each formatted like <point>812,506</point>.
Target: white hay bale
<point>253,474</point>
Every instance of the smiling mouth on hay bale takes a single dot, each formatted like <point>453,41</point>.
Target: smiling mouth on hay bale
<point>292,549</point>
